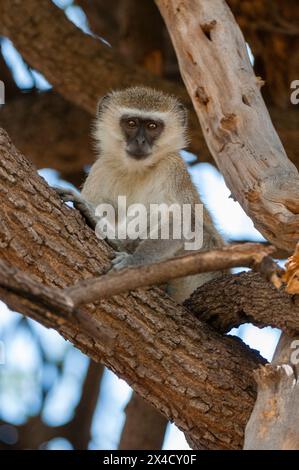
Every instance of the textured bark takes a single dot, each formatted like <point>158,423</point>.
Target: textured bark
<point>52,132</point>
<point>244,298</point>
<point>236,124</point>
<point>80,67</point>
<point>170,358</point>
<point>273,424</point>
<point>144,428</point>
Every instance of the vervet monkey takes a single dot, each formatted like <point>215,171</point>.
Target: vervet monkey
<point>139,133</point>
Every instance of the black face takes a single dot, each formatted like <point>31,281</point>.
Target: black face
<point>140,135</point>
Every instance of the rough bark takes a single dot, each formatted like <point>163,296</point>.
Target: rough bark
<point>144,428</point>
<point>50,131</point>
<point>273,424</point>
<point>235,122</point>
<point>245,298</point>
<point>170,358</point>
<point>80,67</point>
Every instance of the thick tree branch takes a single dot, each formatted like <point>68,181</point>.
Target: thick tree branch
<point>245,298</point>
<point>169,357</point>
<point>236,124</point>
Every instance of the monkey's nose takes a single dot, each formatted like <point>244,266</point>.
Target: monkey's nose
<point>140,140</point>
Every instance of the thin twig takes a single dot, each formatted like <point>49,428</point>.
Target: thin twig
<point>252,255</point>
<point>64,301</point>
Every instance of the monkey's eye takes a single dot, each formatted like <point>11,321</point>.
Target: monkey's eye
<point>152,126</point>
<point>131,123</point>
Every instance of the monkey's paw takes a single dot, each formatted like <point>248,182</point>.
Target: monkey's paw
<point>67,195</point>
<point>122,260</point>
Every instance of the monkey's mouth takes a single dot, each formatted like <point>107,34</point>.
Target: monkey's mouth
<point>138,154</point>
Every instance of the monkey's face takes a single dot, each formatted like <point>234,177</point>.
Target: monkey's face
<point>140,134</point>
<point>135,128</point>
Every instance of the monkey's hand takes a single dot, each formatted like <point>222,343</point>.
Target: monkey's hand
<point>87,211</point>
<point>147,252</point>
<point>123,260</point>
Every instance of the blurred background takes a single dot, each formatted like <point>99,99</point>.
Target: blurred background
<point>51,395</point>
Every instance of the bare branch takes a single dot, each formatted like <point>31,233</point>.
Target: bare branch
<point>250,255</point>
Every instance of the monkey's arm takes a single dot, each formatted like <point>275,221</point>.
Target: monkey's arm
<point>87,210</point>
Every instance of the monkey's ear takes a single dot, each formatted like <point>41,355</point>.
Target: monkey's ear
<point>102,104</point>
<point>183,113</point>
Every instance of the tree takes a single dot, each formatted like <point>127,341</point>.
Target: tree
<point>170,358</point>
